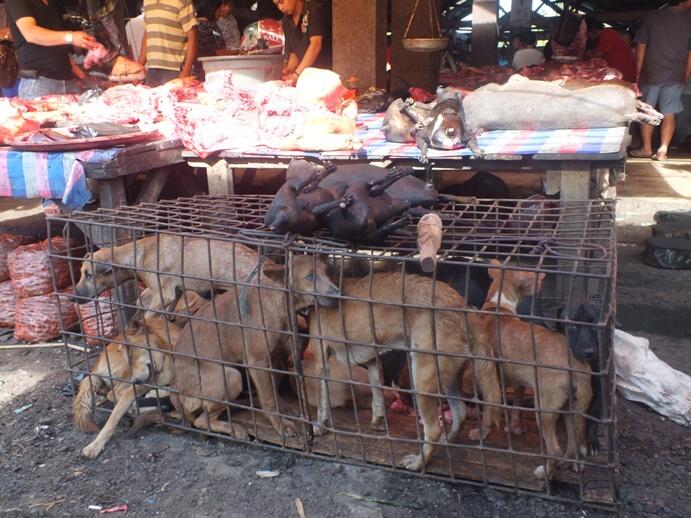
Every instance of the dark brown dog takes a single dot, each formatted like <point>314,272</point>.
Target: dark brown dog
<point>551,383</point>
<point>385,322</point>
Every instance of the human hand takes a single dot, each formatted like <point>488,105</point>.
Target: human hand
<point>83,40</point>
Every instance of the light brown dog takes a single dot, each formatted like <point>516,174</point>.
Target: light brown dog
<point>200,386</point>
<point>172,256</point>
<point>552,385</point>
<point>135,363</point>
<point>348,328</point>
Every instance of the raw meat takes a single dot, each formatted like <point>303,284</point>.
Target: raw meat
<point>11,120</point>
<point>95,56</point>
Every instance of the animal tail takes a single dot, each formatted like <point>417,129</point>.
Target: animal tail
<point>487,377</point>
<point>145,420</point>
<point>83,404</point>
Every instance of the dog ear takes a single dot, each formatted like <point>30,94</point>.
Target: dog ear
<point>494,271</point>
<point>101,269</point>
<point>275,273</point>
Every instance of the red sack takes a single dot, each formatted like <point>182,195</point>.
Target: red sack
<point>9,242</point>
<point>30,268</point>
<point>38,318</point>
<point>7,304</point>
<point>98,318</point>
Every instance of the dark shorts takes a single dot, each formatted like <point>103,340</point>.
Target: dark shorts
<point>666,98</point>
<point>159,76</point>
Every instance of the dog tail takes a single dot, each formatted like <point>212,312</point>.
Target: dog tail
<point>83,404</point>
<point>144,421</point>
<point>487,378</point>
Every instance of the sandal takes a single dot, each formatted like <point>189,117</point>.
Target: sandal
<point>637,153</point>
<point>660,157</point>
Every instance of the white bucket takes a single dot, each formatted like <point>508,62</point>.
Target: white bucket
<point>248,71</point>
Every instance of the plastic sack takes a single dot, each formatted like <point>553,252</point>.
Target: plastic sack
<point>9,242</point>
<point>8,304</point>
<point>38,318</point>
<point>643,377</point>
<point>98,318</point>
<point>30,267</point>
<point>268,30</point>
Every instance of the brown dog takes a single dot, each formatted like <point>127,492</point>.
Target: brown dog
<point>551,384</point>
<point>385,322</point>
<point>135,363</point>
<point>172,256</point>
<point>201,385</point>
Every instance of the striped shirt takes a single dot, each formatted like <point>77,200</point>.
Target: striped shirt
<point>167,22</point>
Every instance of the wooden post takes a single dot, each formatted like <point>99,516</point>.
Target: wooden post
<point>359,41</point>
<point>484,43</point>
<point>408,68</point>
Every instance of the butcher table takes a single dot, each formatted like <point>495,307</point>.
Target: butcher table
<point>579,164</point>
<point>64,175</point>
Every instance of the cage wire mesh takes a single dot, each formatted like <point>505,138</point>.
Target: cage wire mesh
<point>356,354</point>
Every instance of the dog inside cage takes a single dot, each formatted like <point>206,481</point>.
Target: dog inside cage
<point>494,369</point>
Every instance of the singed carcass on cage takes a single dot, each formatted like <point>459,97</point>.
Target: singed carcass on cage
<point>357,203</point>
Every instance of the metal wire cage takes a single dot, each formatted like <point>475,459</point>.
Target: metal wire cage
<point>353,353</point>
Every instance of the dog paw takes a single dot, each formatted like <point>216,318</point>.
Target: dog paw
<point>540,472</point>
<point>319,429</point>
<point>240,432</point>
<point>412,462</point>
<point>517,429</point>
<point>378,424</point>
<point>474,434</point>
<point>289,428</point>
<point>92,451</point>
<point>593,449</point>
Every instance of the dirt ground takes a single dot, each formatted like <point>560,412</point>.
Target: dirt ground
<point>182,474</point>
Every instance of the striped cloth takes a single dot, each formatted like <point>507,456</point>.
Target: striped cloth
<point>167,23</point>
<point>49,175</point>
<point>504,142</point>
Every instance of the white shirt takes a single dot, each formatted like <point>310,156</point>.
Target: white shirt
<point>135,32</point>
<point>527,58</point>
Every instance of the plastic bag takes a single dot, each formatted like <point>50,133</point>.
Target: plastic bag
<point>98,318</point>
<point>268,30</point>
<point>643,377</point>
<point>9,242</point>
<point>30,267</point>
<point>38,318</point>
<point>8,304</point>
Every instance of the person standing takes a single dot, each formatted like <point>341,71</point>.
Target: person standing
<point>43,48</point>
<point>228,26</point>
<point>612,47</point>
<point>663,66</point>
<point>307,30</point>
<point>526,54</point>
<point>169,46</point>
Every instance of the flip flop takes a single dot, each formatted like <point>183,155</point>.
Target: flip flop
<point>658,159</point>
<point>637,153</point>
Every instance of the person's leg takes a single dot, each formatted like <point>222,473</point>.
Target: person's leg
<point>670,105</point>
<point>650,95</point>
<point>158,77</point>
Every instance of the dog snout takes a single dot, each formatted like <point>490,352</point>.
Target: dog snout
<point>328,301</point>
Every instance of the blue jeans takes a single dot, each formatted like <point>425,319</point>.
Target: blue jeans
<point>159,76</point>
<point>33,88</point>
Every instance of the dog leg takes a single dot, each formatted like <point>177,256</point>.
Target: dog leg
<point>425,381</point>
<point>126,395</point>
<point>323,409</point>
<point>263,383</point>
<point>548,428</point>
<point>211,422</point>
<point>515,424</point>
<point>161,299</point>
<point>458,412</point>
<point>378,405</point>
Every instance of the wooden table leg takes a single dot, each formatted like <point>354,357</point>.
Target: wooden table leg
<point>220,178</point>
<point>155,180</point>
<point>575,181</point>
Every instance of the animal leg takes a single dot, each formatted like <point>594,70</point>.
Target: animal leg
<point>161,299</point>
<point>377,187</point>
<point>515,424</point>
<point>424,381</point>
<point>323,408</point>
<point>458,411</point>
<point>126,394</point>
<point>392,225</point>
<point>263,383</point>
<point>211,422</point>
<point>475,147</point>
<point>342,203</point>
<point>378,405</point>
<point>548,428</point>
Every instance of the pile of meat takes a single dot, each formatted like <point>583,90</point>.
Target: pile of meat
<point>569,75</point>
<point>318,114</point>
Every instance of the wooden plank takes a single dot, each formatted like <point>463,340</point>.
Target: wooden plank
<point>155,180</point>
<point>219,176</point>
<point>575,181</point>
<point>136,159</point>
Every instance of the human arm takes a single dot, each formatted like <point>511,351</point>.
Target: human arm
<point>76,70</point>
<point>48,38</point>
<point>291,65</point>
<point>641,49</point>
<point>190,53</point>
<point>142,51</point>
<point>311,54</point>
<point>687,76</point>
